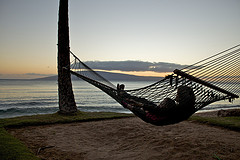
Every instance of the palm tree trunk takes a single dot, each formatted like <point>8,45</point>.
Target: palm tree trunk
<point>67,104</point>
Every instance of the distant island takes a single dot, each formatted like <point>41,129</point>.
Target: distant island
<point>111,77</point>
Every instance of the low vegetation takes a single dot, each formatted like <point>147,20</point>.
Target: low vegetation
<point>59,118</point>
<point>13,149</point>
<point>232,123</point>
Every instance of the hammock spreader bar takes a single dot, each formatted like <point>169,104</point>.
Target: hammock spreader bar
<point>197,80</point>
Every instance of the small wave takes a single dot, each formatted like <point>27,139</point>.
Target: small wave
<point>13,112</point>
<point>31,103</point>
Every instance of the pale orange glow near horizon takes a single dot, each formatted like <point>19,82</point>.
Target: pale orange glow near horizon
<point>143,73</point>
<point>28,68</point>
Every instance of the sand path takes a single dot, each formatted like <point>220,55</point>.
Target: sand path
<point>130,139</point>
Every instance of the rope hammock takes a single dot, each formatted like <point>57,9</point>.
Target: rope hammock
<point>177,96</point>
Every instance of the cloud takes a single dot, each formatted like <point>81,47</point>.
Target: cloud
<point>134,66</point>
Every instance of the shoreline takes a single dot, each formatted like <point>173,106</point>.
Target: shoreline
<point>198,112</point>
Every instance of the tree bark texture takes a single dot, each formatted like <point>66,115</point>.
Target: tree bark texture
<point>67,104</point>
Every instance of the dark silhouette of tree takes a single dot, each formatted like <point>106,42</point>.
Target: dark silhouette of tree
<point>67,104</point>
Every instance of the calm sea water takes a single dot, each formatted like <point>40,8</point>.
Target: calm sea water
<point>25,97</point>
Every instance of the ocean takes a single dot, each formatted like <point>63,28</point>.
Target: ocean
<point>31,97</point>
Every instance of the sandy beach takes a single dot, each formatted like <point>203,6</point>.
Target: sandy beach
<point>130,139</point>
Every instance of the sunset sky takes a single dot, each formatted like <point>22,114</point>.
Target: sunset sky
<point>178,32</point>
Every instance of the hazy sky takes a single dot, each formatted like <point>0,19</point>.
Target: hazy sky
<point>174,31</point>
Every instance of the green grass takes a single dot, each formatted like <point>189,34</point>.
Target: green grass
<point>59,118</point>
<point>232,123</point>
<point>13,149</point>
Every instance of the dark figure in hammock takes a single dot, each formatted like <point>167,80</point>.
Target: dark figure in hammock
<point>120,87</point>
<point>168,111</point>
